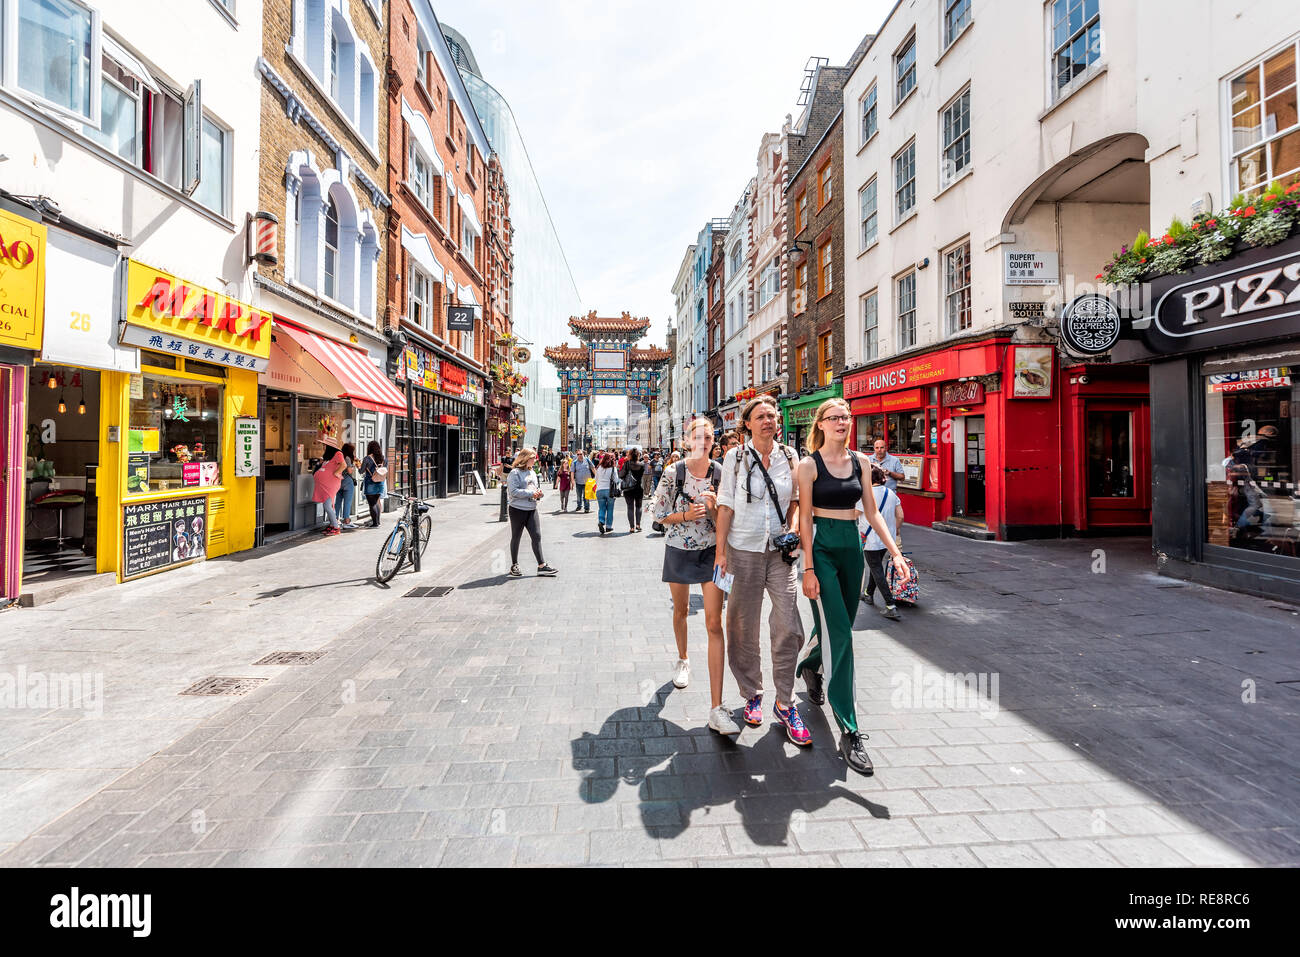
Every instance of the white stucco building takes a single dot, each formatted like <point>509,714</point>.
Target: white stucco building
<point>683,362</point>
<point>765,281</point>
<point>736,323</point>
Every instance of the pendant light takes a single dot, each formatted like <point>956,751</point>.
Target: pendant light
<point>81,406</point>
<point>51,382</point>
<point>63,406</point>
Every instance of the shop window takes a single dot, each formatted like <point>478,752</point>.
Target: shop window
<point>1252,460</point>
<point>176,422</point>
<point>1265,142</point>
<point>1076,43</point>
<point>956,288</point>
<point>870,428</point>
<point>907,433</point>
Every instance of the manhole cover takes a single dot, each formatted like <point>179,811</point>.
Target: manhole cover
<point>437,591</point>
<point>223,686</point>
<point>291,658</point>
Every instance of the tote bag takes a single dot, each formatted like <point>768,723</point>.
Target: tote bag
<point>589,490</point>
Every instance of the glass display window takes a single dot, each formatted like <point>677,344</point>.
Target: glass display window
<point>174,433</point>
<point>1252,460</point>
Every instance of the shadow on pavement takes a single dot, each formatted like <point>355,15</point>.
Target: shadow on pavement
<point>770,790</point>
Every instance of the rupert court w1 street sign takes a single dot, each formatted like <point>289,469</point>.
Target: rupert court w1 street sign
<point>460,318</point>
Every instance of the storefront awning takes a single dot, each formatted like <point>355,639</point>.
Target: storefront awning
<point>361,381</point>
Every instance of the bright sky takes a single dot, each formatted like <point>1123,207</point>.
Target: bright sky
<point>643,119</point>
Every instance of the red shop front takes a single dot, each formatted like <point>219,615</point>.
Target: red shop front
<point>995,445</point>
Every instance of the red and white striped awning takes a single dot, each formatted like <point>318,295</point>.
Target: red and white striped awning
<point>360,380</point>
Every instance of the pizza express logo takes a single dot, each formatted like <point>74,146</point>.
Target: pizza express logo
<point>1091,325</point>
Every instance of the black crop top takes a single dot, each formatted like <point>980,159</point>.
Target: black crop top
<point>836,493</point>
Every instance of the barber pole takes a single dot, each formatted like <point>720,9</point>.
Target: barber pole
<point>263,238</point>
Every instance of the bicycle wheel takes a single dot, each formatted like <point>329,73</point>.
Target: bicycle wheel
<point>392,556</point>
<point>426,532</point>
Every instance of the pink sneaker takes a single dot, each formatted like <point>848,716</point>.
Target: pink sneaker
<point>794,727</point>
<point>754,711</point>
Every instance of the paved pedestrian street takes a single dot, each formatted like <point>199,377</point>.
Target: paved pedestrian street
<point>1093,714</point>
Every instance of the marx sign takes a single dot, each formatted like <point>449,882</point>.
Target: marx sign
<point>1255,295</point>
<point>161,305</point>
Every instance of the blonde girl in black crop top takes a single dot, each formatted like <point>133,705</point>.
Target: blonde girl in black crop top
<point>829,492</point>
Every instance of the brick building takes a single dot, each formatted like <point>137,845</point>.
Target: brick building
<point>496,311</point>
<point>322,174</point>
<point>440,254</point>
<point>766,266</point>
<point>715,318</point>
<point>815,212</point>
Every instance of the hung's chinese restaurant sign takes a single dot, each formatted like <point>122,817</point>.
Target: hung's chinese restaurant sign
<point>22,281</point>
<point>167,314</point>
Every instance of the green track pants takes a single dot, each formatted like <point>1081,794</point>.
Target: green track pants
<point>838,565</point>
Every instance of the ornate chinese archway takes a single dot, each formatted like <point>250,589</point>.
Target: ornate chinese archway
<point>606,362</point>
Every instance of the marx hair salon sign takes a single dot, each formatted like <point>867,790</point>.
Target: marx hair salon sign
<point>1255,295</point>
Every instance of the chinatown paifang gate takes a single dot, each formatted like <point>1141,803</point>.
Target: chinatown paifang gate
<point>606,362</point>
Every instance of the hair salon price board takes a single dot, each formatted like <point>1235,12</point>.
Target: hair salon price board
<point>163,534</point>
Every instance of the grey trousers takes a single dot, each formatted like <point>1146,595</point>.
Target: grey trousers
<point>756,573</point>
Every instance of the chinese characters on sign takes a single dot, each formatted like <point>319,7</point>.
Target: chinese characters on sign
<point>160,535</point>
<point>1031,269</point>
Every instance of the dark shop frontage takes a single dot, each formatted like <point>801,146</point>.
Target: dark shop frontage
<point>1223,345</point>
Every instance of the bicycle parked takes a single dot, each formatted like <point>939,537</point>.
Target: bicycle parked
<point>398,548</point>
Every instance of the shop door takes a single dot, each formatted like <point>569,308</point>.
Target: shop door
<point>975,479</point>
<point>1117,477</point>
<point>448,461</point>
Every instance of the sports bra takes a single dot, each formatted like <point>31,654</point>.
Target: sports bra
<point>836,493</point>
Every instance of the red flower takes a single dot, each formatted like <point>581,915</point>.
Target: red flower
<point>1168,238</point>
<point>1291,189</point>
<point>1098,275</point>
<point>1211,223</point>
<point>1250,210</point>
<point>1196,225</point>
<point>1143,259</point>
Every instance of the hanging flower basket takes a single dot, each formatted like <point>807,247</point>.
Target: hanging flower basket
<point>1261,220</point>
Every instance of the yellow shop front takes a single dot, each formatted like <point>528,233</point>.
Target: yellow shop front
<point>181,442</point>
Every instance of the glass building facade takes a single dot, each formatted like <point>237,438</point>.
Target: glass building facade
<point>544,295</point>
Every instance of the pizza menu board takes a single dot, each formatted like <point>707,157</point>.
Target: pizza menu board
<point>158,535</point>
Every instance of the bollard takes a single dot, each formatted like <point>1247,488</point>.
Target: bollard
<point>503,517</point>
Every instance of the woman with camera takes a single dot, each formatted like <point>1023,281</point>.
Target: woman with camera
<point>686,504</point>
<point>830,481</point>
<point>757,504</point>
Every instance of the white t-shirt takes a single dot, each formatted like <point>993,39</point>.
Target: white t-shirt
<point>891,509</point>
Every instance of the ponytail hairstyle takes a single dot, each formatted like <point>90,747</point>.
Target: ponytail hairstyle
<point>816,437</point>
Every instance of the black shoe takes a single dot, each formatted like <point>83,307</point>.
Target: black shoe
<point>546,571</point>
<point>868,597</point>
<point>855,753</point>
<point>890,612</point>
<point>813,682</point>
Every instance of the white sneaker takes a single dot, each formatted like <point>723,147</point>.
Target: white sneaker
<point>682,674</point>
<point>720,721</point>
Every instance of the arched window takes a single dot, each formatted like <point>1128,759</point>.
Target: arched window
<point>331,250</point>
